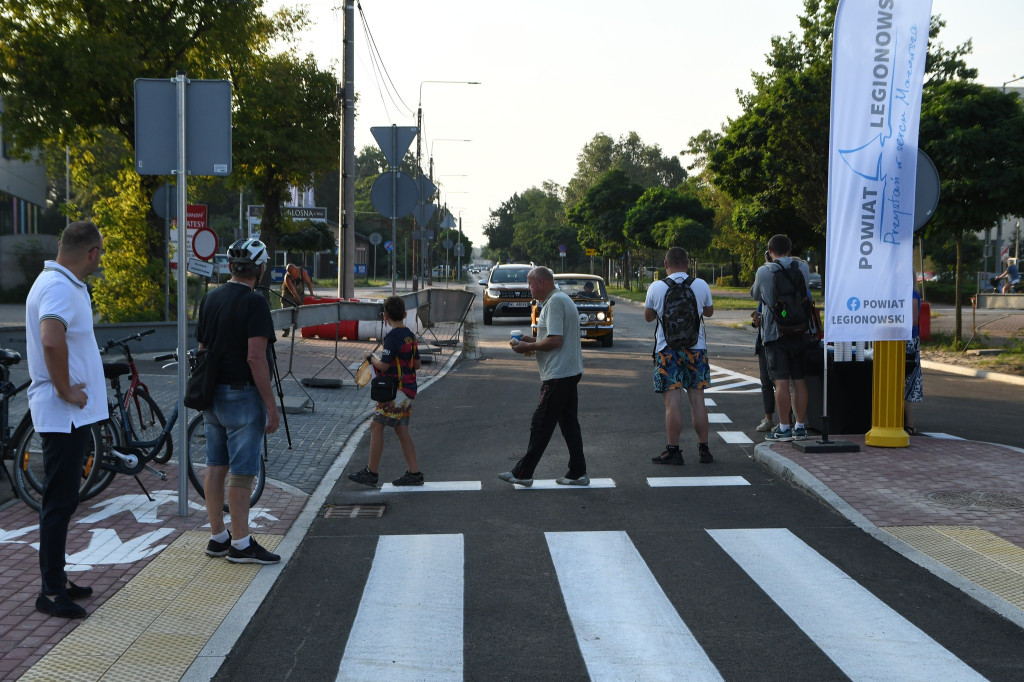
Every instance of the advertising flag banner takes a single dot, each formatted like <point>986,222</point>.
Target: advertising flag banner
<point>878,55</point>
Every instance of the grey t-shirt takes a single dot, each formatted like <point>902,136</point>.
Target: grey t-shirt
<point>764,290</point>
<point>559,317</point>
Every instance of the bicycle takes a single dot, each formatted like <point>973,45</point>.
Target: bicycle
<point>132,455</point>
<point>25,445</point>
<point>141,417</point>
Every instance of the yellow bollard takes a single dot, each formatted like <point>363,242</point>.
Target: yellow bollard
<point>887,396</point>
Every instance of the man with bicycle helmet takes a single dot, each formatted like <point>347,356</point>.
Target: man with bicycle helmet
<point>236,328</point>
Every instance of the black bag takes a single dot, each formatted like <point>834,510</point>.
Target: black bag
<point>680,318</point>
<point>383,389</point>
<point>792,307</point>
<point>201,382</point>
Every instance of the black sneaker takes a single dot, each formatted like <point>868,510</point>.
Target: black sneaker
<point>364,477</point>
<point>59,605</point>
<point>253,554</point>
<point>214,548</point>
<point>409,479</point>
<point>669,457</point>
<point>705,453</point>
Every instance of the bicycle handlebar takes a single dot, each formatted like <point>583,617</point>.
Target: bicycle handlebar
<point>134,337</point>
<point>168,356</point>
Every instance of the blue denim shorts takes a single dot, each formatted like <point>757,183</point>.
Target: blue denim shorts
<point>234,429</point>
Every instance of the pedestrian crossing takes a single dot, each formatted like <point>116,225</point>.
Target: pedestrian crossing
<point>551,484</point>
<point>410,623</point>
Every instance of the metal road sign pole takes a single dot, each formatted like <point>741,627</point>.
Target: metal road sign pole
<point>394,212</point>
<point>182,81</point>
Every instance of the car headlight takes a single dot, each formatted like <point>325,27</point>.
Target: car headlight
<point>601,317</point>
<point>493,293</point>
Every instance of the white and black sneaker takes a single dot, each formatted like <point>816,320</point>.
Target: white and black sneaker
<point>253,554</point>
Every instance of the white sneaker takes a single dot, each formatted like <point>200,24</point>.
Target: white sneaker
<point>582,480</point>
<point>765,425</point>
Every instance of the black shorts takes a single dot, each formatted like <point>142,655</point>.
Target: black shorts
<point>786,357</point>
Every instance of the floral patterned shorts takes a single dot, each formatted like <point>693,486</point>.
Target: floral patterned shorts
<point>395,413</point>
<point>681,369</point>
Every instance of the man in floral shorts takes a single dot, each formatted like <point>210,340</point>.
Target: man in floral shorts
<point>686,369</point>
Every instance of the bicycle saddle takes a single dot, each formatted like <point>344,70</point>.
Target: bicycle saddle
<point>9,357</point>
<point>115,369</point>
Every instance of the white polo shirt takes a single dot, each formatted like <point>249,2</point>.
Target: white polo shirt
<point>57,294</point>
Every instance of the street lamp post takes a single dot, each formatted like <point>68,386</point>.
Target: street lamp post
<point>419,137</point>
<point>997,252</point>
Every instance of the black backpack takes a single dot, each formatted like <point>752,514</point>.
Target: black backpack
<point>792,309</point>
<point>680,317</point>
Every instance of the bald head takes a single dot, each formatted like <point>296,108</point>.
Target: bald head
<point>542,282</point>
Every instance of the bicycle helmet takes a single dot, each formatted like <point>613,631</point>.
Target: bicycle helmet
<point>248,251</point>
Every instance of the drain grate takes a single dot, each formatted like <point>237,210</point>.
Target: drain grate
<point>354,511</point>
<point>976,499</point>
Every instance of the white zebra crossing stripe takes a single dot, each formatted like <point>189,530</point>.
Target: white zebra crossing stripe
<point>718,418</point>
<point>695,481</point>
<point>863,636</point>
<point>735,437</point>
<point>727,381</point>
<point>431,486</point>
<point>410,620</point>
<point>625,625</point>
<point>549,484</point>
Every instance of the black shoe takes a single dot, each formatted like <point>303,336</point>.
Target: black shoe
<point>705,453</point>
<point>59,605</point>
<point>214,548</point>
<point>669,457</point>
<point>409,479</point>
<point>365,477</point>
<point>77,591</point>
<point>253,554</point>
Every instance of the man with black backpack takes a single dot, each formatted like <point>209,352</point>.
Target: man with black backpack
<point>679,303</point>
<point>781,287</point>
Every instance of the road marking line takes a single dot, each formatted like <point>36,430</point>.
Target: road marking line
<point>430,487</point>
<point>625,626</point>
<point>944,436</point>
<point>720,378</point>
<point>694,481</point>
<point>864,637</point>
<point>549,484</point>
<point>718,418</point>
<point>709,402</point>
<point>735,437</point>
<point>410,620</point>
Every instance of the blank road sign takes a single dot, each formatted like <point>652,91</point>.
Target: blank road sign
<point>207,126</point>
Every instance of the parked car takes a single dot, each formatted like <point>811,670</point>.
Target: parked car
<point>590,295</point>
<point>506,292</point>
<point>814,281</point>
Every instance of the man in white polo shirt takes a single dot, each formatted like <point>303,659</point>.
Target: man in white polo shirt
<point>67,396</point>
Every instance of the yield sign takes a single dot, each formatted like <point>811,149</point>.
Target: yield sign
<point>448,221</point>
<point>426,187</point>
<point>422,212</point>
<point>394,141</point>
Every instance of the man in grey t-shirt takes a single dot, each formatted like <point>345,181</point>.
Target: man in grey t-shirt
<point>560,360</point>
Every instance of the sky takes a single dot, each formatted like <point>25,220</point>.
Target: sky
<point>555,73</point>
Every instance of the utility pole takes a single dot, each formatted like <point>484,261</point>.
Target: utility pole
<point>347,178</point>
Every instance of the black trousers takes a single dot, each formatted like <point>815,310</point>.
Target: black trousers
<point>63,459</point>
<point>559,405</point>
<point>767,385</point>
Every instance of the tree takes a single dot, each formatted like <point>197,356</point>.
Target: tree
<point>540,227</point>
<point>500,231</point>
<point>773,159</point>
<point>600,215</point>
<point>66,73</point>
<point>975,136</point>
<point>644,165</point>
<point>663,218</point>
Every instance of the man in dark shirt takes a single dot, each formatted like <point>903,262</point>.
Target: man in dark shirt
<point>235,323</point>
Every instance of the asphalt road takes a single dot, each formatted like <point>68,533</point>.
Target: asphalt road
<point>746,579</point>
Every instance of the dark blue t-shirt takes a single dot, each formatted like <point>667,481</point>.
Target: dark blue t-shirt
<point>400,345</point>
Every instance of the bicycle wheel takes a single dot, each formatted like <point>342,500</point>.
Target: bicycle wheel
<point>196,449</point>
<point>30,473</point>
<point>146,422</point>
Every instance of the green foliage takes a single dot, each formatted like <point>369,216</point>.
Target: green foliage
<point>600,216</point>
<point>663,218</point>
<point>131,289</point>
<point>307,236</point>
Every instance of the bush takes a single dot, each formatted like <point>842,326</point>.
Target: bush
<point>15,295</point>
<point>945,292</point>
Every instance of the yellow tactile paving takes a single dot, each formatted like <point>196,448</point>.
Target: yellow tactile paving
<point>978,555</point>
<point>154,627</point>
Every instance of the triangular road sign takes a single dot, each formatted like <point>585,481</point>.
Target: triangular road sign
<point>394,141</point>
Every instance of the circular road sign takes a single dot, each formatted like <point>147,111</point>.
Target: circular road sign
<point>204,243</point>
<point>447,244</point>
<point>375,238</point>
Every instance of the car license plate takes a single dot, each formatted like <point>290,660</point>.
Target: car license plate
<point>583,333</point>
<point>518,304</point>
